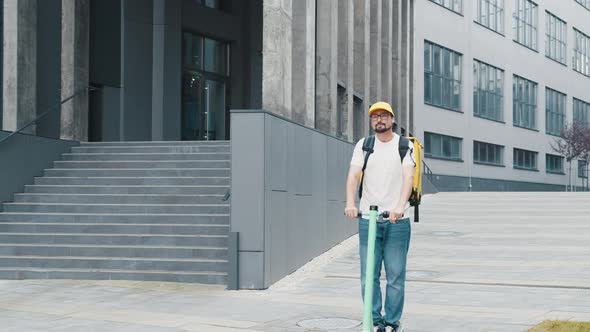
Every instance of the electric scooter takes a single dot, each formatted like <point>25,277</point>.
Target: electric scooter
<point>370,267</point>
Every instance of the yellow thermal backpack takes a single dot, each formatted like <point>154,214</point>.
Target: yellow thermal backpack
<point>404,146</point>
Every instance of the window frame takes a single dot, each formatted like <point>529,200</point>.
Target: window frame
<point>551,159</point>
<point>527,106</point>
<point>525,24</point>
<point>455,143</point>
<point>581,56</point>
<point>499,14</point>
<point>559,45</point>
<point>498,150</point>
<point>581,165</point>
<point>491,95</point>
<point>554,117</point>
<point>443,74</point>
<point>450,5</point>
<point>581,107</point>
<point>584,3</point>
<point>532,156</point>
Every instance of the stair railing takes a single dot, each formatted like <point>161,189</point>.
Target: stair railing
<point>427,171</point>
<point>49,110</point>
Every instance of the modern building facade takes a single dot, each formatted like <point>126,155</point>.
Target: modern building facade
<point>172,69</point>
<point>496,81</point>
<point>487,85</point>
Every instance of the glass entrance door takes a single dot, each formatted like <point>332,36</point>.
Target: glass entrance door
<point>203,109</point>
<point>204,88</point>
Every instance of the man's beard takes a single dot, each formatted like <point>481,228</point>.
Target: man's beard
<point>383,129</point>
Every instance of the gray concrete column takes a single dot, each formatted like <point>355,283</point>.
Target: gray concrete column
<point>303,66</point>
<point>349,19</point>
<point>361,57</point>
<point>404,70</point>
<point>386,51</point>
<point>396,61</point>
<point>277,57</point>
<point>19,64</point>
<point>411,70</point>
<point>375,51</point>
<point>166,72</point>
<point>326,66</point>
<point>75,69</point>
<point>345,70</point>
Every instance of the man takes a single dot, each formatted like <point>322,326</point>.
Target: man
<point>387,183</point>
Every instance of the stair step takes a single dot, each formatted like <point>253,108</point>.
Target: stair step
<point>119,199</point>
<point>17,249</point>
<point>134,180</point>
<point>137,172</point>
<point>141,164</point>
<point>89,274</point>
<point>115,239</point>
<point>123,190</point>
<point>114,263</point>
<point>123,210</point>
<point>221,219</point>
<point>118,208</point>
<point>147,156</point>
<point>152,149</point>
<point>103,228</point>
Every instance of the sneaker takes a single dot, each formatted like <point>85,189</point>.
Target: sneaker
<point>390,328</point>
<point>378,328</point>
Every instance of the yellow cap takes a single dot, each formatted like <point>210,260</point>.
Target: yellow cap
<point>381,105</point>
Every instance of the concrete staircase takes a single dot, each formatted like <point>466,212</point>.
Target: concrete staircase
<point>123,210</point>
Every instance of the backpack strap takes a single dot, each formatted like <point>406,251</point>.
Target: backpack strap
<point>403,147</point>
<point>368,149</point>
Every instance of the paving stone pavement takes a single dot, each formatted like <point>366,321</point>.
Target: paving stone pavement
<point>478,262</point>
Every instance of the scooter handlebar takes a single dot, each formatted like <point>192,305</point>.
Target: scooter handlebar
<point>384,214</point>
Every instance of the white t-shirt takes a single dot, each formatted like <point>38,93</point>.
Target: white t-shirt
<point>382,179</point>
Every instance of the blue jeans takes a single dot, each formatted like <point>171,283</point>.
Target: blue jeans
<point>391,248</point>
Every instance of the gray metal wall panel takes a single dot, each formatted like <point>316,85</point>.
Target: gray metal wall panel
<point>23,158</point>
<point>277,154</point>
<point>300,220</point>
<point>276,248</point>
<point>251,269</point>
<point>301,143</point>
<point>247,181</point>
<point>334,186</point>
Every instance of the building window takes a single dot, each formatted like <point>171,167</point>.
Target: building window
<point>554,111</point>
<point>442,77</point>
<point>581,112</point>
<point>490,13</point>
<point>525,23</point>
<point>488,96</point>
<point>454,5</point>
<point>581,53</point>
<point>442,146</point>
<point>524,159</point>
<point>486,153</point>
<point>556,38</point>
<point>585,3</point>
<point>554,164</point>
<point>524,106</point>
<point>582,169</point>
